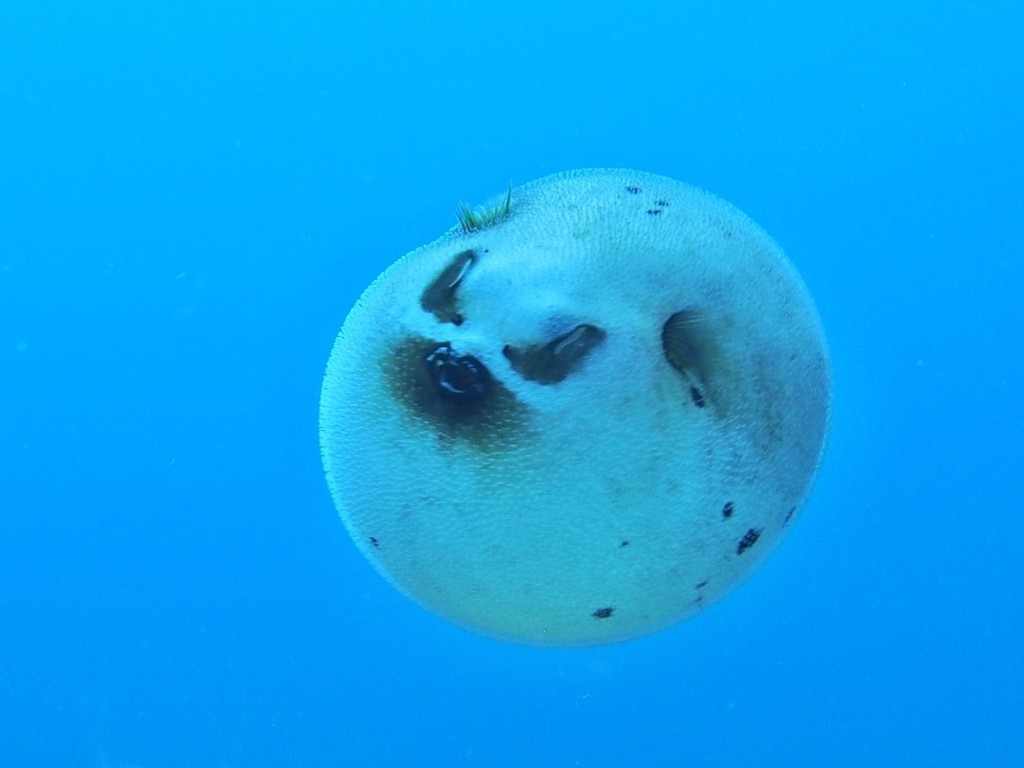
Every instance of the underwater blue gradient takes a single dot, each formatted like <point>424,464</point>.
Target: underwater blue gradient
<point>193,194</point>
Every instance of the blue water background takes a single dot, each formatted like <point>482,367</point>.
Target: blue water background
<point>193,194</point>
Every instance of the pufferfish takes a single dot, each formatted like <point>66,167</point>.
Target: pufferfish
<point>585,414</point>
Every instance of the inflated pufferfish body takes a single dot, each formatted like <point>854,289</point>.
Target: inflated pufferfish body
<point>581,417</point>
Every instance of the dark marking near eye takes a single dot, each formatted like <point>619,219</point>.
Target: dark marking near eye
<point>727,510</point>
<point>603,613</point>
<point>439,298</point>
<point>550,363</point>
<point>748,540</point>
<point>789,515</point>
<point>697,397</point>
<point>633,190</point>
<point>454,394</point>
<point>374,541</point>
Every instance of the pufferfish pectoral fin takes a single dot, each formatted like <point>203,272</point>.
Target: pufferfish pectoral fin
<point>688,339</point>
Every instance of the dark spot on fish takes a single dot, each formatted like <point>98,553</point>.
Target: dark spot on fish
<point>697,397</point>
<point>748,540</point>
<point>727,510</point>
<point>453,393</point>
<point>633,190</point>
<point>602,613</point>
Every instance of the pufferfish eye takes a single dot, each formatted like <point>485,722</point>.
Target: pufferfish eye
<point>460,379</point>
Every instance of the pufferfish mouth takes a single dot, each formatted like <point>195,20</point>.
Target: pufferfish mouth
<point>461,379</point>
<point>453,394</point>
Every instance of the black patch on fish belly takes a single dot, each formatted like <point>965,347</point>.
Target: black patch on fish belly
<point>455,393</point>
<point>749,539</point>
